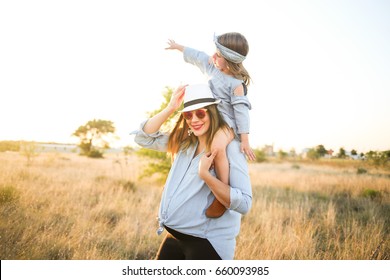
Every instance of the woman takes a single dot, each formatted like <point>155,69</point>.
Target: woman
<point>191,185</point>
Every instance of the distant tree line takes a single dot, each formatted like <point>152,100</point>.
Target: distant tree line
<point>375,157</point>
<point>96,135</point>
<point>12,146</point>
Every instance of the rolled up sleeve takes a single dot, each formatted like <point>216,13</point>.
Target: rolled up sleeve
<point>241,107</point>
<point>156,141</point>
<point>240,184</point>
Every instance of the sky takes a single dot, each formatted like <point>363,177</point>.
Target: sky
<point>320,69</point>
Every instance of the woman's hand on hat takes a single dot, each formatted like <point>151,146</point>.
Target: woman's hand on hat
<point>177,98</point>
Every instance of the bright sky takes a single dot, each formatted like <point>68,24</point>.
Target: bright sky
<point>320,69</point>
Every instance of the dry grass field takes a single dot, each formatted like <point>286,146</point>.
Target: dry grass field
<point>64,206</point>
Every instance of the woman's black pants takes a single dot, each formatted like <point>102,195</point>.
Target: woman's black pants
<point>179,246</point>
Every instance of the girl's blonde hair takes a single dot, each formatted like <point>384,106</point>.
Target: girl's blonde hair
<point>238,43</point>
<point>180,140</point>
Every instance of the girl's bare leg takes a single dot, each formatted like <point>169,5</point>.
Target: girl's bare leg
<point>221,166</point>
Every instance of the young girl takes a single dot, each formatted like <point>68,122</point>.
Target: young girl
<point>228,80</point>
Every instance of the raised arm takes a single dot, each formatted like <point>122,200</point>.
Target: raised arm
<point>172,45</point>
<point>154,123</point>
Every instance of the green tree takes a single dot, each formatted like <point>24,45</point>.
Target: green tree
<point>260,155</point>
<point>342,153</point>
<point>282,154</point>
<point>378,158</point>
<point>313,154</point>
<point>94,137</point>
<point>160,161</point>
<point>321,151</point>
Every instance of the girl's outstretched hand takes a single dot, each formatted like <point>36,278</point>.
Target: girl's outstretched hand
<point>172,45</point>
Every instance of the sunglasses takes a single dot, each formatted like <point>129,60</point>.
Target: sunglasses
<point>200,114</point>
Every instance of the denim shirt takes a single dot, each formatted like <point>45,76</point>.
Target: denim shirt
<point>234,109</point>
<point>186,196</point>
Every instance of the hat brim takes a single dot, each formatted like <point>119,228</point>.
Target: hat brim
<point>199,105</point>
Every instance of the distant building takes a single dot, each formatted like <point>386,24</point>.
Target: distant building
<point>58,147</point>
<point>354,157</point>
<point>329,153</point>
<point>304,152</point>
<point>269,150</point>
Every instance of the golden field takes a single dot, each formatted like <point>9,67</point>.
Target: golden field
<point>64,206</point>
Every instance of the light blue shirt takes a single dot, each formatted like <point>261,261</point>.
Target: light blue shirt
<point>235,109</point>
<point>186,196</point>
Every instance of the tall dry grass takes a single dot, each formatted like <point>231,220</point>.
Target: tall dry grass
<point>64,206</point>
<point>316,212</point>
